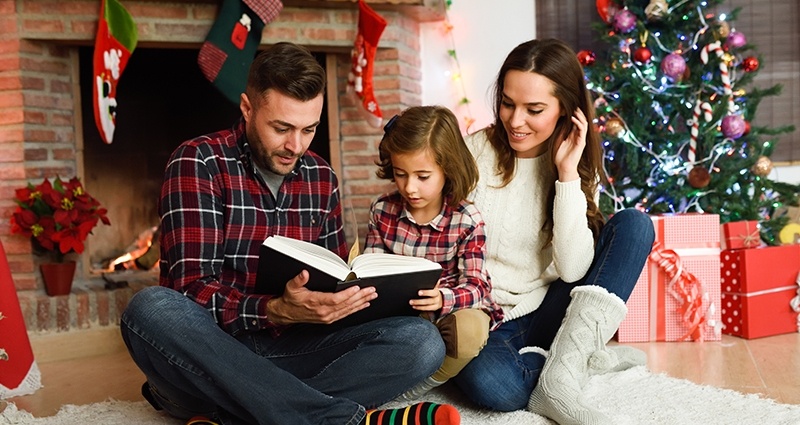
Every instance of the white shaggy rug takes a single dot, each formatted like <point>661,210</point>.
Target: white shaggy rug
<point>635,396</point>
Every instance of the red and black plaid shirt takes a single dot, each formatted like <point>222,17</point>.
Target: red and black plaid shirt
<point>455,239</point>
<point>216,211</point>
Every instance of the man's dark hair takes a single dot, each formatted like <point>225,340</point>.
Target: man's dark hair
<point>287,68</point>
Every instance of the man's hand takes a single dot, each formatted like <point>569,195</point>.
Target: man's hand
<point>301,305</point>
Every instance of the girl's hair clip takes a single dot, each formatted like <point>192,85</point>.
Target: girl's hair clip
<point>389,125</point>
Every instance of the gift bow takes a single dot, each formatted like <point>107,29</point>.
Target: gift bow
<point>685,288</point>
<point>795,302</point>
<point>749,239</point>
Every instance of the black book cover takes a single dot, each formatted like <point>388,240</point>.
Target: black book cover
<point>394,291</point>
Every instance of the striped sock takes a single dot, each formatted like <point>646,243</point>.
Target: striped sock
<point>425,413</point>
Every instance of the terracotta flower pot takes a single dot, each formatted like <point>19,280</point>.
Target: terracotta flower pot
<point>58,277</point>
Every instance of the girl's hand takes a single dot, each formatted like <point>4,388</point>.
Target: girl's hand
<point>431,300</point>
<point>569,150</point>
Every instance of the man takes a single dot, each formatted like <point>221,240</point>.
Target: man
<point>212,350</point>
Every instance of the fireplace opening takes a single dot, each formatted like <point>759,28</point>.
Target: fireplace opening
<point>162,100</point>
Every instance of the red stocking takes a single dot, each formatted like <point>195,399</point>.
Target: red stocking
<point>359,80</point>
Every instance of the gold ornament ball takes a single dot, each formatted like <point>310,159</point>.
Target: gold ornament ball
<point>615,127</point>
<point>699,177</point>
<point>762,167</point>
<point>723,29</point>
<point>656,10</point>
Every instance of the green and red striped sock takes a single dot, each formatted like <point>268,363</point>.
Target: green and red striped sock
<point>424,413</point>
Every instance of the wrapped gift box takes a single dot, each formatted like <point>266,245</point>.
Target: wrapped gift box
<point>740,234</point>
<point>757,288</point>
<point>687,248</point>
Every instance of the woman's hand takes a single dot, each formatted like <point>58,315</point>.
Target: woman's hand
<point>569,151</point>
<point>431,300</point>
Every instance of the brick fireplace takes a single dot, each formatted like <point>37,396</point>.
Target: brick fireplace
<point>45,130</point>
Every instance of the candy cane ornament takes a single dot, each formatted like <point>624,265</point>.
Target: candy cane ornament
<point>716,47</point>
<point>705,109</point>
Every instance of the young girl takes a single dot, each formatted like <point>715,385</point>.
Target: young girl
<point>423,152</point>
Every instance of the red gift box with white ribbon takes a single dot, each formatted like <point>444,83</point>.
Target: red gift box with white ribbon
<point>760,291</point>
<point>677,295</point>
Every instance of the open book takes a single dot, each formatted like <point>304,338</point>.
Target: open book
<point>396,278</point>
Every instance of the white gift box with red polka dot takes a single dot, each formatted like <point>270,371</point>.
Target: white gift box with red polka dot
<point>758,285</point>
<point>682,270</point>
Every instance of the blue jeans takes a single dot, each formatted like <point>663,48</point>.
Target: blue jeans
<point>502,379</point>
<point>311,374</point>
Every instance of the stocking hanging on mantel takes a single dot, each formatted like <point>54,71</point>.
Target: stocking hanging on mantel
<point>359,80</point>
<point>19,374</point>
<point>232,42</point>
<point>114,44</point>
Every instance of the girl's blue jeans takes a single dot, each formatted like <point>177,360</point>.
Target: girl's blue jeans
<point>502,379</point>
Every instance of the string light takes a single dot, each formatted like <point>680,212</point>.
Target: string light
<point>456,75</point>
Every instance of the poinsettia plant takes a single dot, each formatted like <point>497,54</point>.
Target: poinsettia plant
<point>58,216</point>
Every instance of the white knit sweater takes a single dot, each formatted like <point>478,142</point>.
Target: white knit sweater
<point>521,266</point>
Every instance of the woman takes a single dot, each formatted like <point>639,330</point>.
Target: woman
<point>560,273</point>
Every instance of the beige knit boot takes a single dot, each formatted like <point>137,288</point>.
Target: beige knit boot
<point>592,318</point>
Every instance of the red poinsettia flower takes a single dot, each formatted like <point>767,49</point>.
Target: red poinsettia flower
<point>57,216</point>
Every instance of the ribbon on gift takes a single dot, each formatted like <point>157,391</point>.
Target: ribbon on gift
<point>795,302</point>
<point>749,239</point>
<point>684,287</point>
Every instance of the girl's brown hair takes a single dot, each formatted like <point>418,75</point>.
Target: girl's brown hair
<point>434,128</point>
<point>556,61</point>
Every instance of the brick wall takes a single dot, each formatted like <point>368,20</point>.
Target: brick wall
<point>41,134</point>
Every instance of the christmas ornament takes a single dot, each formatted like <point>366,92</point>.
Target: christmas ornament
<point>750,64</point>
<point>232,42</point>
<point>642,55</point>
<point>762,167</point>
<point>790,234</point>
<point>716,47</point>
<point>673,65</point>
<point>735,40</point>
<point>707,113</point>
<point>746,128</point>
<point>699,177</point>
<point>656,10</point>
<point>359,79</point>
<point>115,41</point>
<point>615,127</point>
<point>723,29</point>
<point>606,9</point>
<point>586,57</point>
<point>624,21</point>
<point>732,126</point>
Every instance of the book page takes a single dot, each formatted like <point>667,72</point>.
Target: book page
<point>382,264</point>
<point>311,254</point>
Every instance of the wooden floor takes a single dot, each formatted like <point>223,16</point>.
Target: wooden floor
<point>767,366</point>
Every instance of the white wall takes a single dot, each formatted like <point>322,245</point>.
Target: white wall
<point>484,32</point>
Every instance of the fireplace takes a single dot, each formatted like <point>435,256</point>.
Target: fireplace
<point>50,130</point>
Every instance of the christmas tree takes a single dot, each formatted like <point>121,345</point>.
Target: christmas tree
<point>674,102</point>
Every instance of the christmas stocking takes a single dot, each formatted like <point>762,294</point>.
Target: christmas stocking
<point>232,42</point>
<point>359,80</point>
<point>115,41</point>
<point>19,374</point>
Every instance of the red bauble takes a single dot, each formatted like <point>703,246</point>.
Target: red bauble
<point>606,9</point>
<point>750,64</point>
<point>642,55</point>
<point>586,57</point>
<point>699,177</point>
<point>746,128</point>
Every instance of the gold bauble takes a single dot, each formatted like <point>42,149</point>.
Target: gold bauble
<point>656,10</point>
<point>615,127</point>
<point>723,29</point>
<point>762,167</point>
